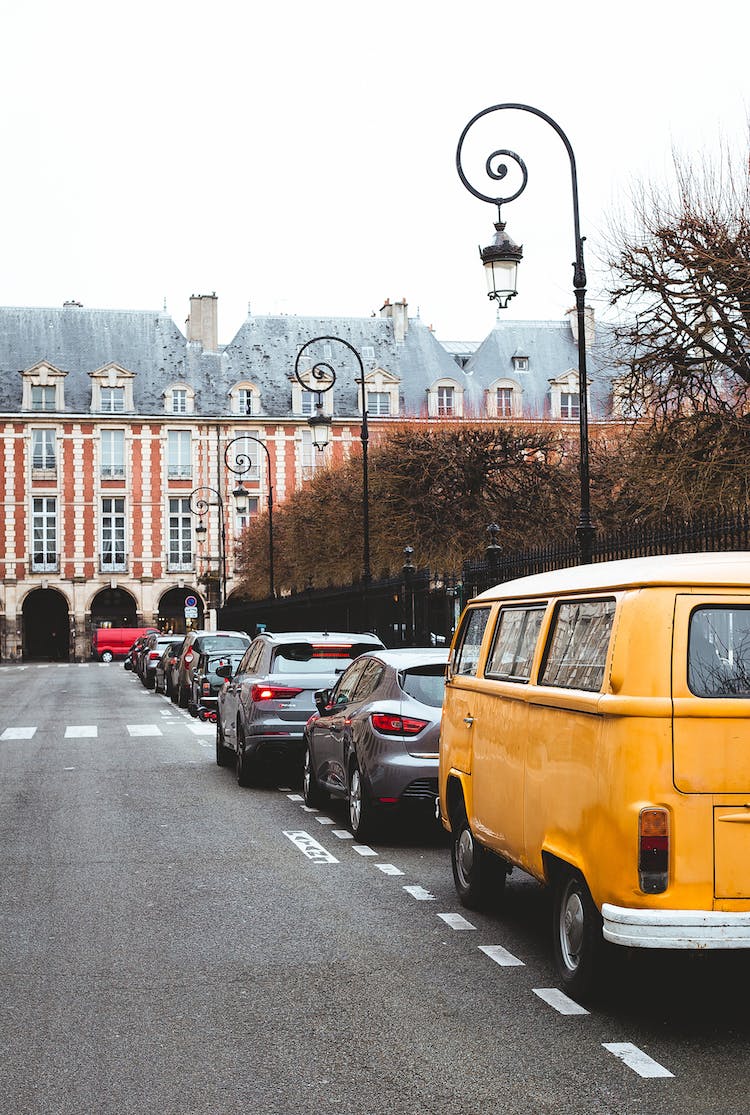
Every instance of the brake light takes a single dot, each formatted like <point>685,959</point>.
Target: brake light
<point>273,692</point>
<point>332,650</point>
<point>188,657</point>
<point>206,688</point>
<point>389,725</point>
<point>154,656</point>
<point>653,850</point>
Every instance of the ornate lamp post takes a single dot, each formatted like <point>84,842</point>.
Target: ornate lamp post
<point>324,376</point>
<point>199,505</point>
<point>501,260</point>
<point>243,463</point>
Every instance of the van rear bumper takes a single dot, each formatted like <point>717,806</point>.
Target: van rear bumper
<point>676,929</point>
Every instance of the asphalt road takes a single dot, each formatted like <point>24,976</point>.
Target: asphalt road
<point>171,943</point>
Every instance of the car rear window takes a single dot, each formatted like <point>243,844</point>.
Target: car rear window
<point>577,651</point>
<point>316,658</point>
<point>425,684</point>
<point>218,643</point>
<point>719,652</point>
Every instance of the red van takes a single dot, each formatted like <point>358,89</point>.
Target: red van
<point>114,642</point>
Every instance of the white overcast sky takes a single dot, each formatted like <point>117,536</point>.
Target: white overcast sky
<point>300,157</point>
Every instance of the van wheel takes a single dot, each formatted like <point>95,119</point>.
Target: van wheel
<point>479,875</point>
<point>106,656</point>
<point>577,941</point>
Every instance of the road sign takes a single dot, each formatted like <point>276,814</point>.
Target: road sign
<point>191,602</point>
<point>191,613</point>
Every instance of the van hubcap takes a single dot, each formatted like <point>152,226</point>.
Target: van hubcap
<point>465,856</point>
<point>571,928</point>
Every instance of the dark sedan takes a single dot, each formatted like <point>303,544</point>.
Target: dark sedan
<point>374,738</point>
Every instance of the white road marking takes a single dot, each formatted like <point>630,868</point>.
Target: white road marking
<point>295,797</point>
<point>420,894</point>
<point>18,733</point>
<point>501,956</point>
<point>636,1059</point>
<point>324,820</point>
<point>456,921</point>
<point>69,768</point>
<point>202,729</point>
<point>343,834</point>
<point>81,731</point>
<point>166,712</point>
<point>309,846</point>
<point>308,809</point>
<point>144,729</point>
<point>560,1002</point>
<point>388,869</point>
<point>363,850</point>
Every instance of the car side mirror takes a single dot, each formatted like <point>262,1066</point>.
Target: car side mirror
<point>224,671</point>
<point>322,699</point>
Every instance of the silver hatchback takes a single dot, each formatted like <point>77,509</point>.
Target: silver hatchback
<point>374,738</point>
<point>262,708</point>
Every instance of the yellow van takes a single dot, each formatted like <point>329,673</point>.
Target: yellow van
<point>596,734</point>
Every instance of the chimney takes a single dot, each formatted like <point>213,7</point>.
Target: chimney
<point>590,328</point>
<point>397,312</point>
<point>203,322</point>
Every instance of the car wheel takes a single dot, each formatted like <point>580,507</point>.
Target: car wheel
<point>577,940</point>
<point>182,697</point>
<point>361,809</point>
<point>246,769</point>
<point>479,876</point>
<point>315,795</point>
<point>106,656</point>
<point>223,754</point>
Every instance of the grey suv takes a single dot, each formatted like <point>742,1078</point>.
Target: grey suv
<point>263,707</point>
<point>221,642</point>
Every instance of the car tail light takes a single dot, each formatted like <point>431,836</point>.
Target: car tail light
<point>653,850</point>
<point>332,650</point>
<point>206,687</point>
<point>154,656</point>
<point>273,692</point>
<point>188,658</point>
<point>389,725</point>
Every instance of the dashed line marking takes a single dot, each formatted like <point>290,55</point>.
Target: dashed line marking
<point>363,850</point>
<point>18,733</point>
<point>343,834</point>
<point>144,729</point>
<point>308,809</point>
<point>420,894</point>
<point>81,731</point>
<point>202,729</point>
<point>456,921</point>
<point>501,956</point>
<point>558,1001</point>
<point>324,820</point>
<point>389,869</point>
<point>636,1059</point>
<point>310,847</point>
<point>295,797</point>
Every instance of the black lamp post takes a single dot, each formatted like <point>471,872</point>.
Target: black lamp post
<point>501,260</point>
<point>409,570</point>
<point>243,463</point>
<point>199,505</point>
<point>324,376</point>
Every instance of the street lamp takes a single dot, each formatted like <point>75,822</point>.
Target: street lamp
<point>324,376</point>
<point>199,505</point>
<point>501,260</point>
<point>243,463</point>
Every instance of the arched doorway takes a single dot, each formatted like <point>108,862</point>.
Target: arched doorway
<point>172,608</point>
<point>115,607</point>
<point>46,625</point>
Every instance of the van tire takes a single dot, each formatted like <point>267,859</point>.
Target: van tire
<point>478,874</point>
<point>577,940</point>
<point>106,656</point>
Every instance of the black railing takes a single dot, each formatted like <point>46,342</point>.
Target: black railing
<point>423,607</point>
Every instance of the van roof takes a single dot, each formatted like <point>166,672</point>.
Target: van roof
<point>725,569</point>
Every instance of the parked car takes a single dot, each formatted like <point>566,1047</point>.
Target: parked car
<point>374,738</point>
<point>207,682</point>
<point>262,708</point>
<point>131,658</point>
<point>162,670</point>
<point>150,656</point>
<point>195,642</point>
<point>114,642</point>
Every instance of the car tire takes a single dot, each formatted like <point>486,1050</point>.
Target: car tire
<point>106,656</point>
<point>315,796</point>
<point>223,753</point>
<point>577,940</point>
<point>359,804</point>
<point>478,874</point>
<point>182,697</point>
<point>245,768</point>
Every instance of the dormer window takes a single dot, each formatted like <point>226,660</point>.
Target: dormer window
<point>43,388</point>
<point>505,399</point>
<point>565,399</point>
<point>42,398</point>
<point>520,363</point>
<point>179,399</point>
<point>570,405</point>
<point>112,390</point>
<point>112,400</point>
<point>445,399</point>
<point>244,399</point>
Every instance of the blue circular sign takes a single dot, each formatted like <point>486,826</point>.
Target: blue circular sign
<point>190,602</point>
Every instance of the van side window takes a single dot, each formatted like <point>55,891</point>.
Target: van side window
<point>466,654</point>
<point>577,650</point>
<point>513,646</point>
<point>719,652</point>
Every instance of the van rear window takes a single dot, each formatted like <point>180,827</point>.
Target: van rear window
<point>577,650</point>
<point>719,652</point>
<point>514,643</point>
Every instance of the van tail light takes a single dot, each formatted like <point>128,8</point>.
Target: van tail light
<point>389,725</point>
<point>653,850</point>
<point>273,692</point>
